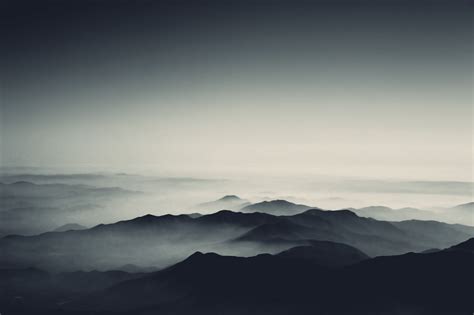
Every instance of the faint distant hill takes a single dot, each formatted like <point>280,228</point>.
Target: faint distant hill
<point>462,214</point>
<point>276,207</point>
<point>228,202</point>
<point>389,214</point>
<point>29,208</point>
<point>70,227</point>
<point>465,207</point>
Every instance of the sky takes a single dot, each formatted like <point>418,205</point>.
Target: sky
<point>376,89</point>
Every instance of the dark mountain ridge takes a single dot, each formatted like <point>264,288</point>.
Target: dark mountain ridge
<point>159,241</point>
<point>432,283</point>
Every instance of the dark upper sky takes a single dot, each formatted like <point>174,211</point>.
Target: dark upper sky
<point>355,87</point>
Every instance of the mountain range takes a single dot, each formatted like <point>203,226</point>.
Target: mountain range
<point>270,257</point>
<point>159,241</point>
<point>302,280</point>
<point>462,213</point>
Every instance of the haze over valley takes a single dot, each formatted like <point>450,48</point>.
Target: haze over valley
<point>178,157</point>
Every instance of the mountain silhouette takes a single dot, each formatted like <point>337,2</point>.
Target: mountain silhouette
<point>276,207</point>
<point>230,198</point>
<point>465,206</point>
<point>30,290</point>
<point>228,217</point>
<point>463,213</point>
<point>291,282</point>
<point>371,236</point>
<point>228,202</point>
<point>159,241</point>
<point>467,246</point>
<point>155,241</point>
<point>325,253</point>
<point>69,227</point>
<point>389,214</point>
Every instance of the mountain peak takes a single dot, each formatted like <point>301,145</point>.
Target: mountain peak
<point>198,260</point>
<point>196,254</point>
<point>278,207</point>
<point>146,217</point>
<point>229,198</point>
<point>325,253</point>
<point>150,218</point>
<point>230,202</point>
<point>69,227</point>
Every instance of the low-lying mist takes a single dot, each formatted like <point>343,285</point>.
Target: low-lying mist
<point>34,202</point>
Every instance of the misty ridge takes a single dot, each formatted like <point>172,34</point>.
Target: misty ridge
<point>80,243</point>
<point>38,202</point>
<point>236,157</point>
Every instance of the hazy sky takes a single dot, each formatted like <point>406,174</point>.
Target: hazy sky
<point>357,88</point>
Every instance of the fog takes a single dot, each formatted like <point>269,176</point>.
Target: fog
<point>43,200</point>
<point>320,103</point>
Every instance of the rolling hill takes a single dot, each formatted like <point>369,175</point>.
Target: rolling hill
<point>276,207</point>
<point>432,283</point>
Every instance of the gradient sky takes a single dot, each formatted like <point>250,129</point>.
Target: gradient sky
<point>355,88</point>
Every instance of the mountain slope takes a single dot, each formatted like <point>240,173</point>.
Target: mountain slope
<point>69,227</point>
<point>159,241</point>
<point>371,236</point>
<point>276,207</point>
<point>432,283</point>
<point>155,241</point>
<point>465,207</point>
<point>34,291</point>
<point>389,214</point>
<point>228,202</point>
<point>325,253</point>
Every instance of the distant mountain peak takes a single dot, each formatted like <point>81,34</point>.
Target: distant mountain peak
<point>230,202</point>
<point>147,216</point>
<point>150,218</point>
<point>278,206</point>
<point>198,259</point>
<point>70,227</point>
<point>229,198</point>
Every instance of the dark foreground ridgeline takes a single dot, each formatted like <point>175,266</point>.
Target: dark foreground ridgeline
<point>297,281</point>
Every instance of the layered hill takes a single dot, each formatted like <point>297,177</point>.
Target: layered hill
<point>276,207</point>
<point>228,202</point>
<point>433,283</point>
<point>159,241</point>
